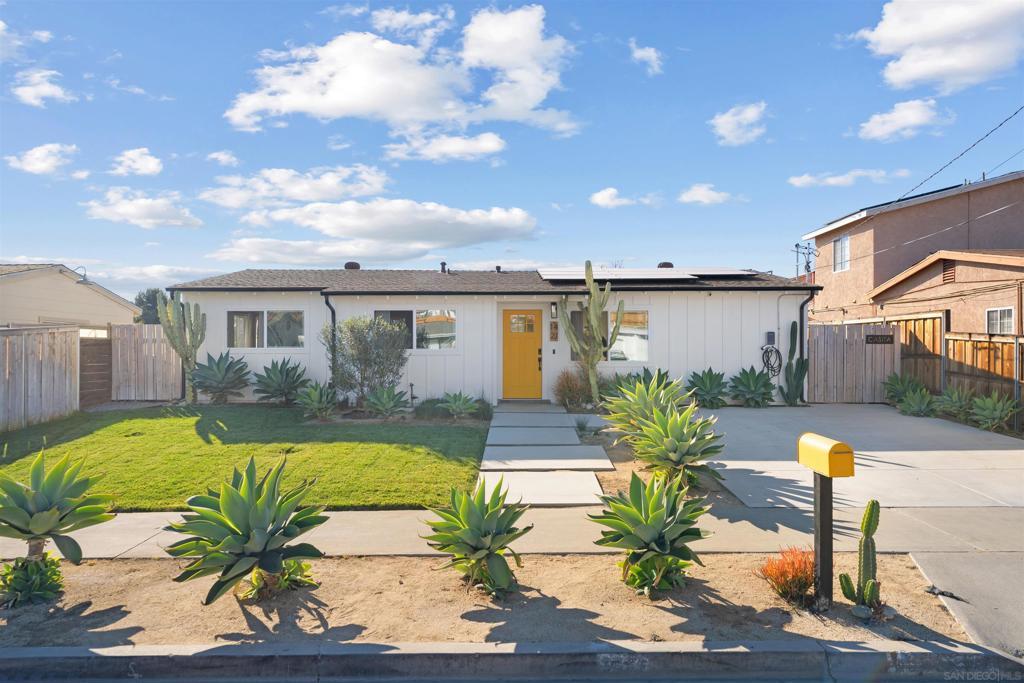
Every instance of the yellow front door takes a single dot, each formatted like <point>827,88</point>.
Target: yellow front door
<point>523,354</point>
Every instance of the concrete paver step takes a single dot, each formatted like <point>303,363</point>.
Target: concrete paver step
<point>549,489</point>
<point>532,420</point>
<point>528,407</point>
<point>525,458</point>
<point>532,436</point>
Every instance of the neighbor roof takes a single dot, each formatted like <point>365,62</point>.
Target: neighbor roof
<point>20,268</point>
<point>340,281</point>
<point>913,200</point>
<point>1002,257</point>
<point>12,268</point>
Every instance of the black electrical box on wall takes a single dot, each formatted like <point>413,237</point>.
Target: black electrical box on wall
<point>769,338</point>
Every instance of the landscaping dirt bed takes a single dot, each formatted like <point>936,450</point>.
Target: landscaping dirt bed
<point>391,599</point>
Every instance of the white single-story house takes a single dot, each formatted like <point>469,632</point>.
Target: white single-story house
<point>494,334</point>
<point>53,294</point>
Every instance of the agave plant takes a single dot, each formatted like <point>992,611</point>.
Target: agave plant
<point>955,402</point>
<point>25,581</point>
<point>993,412</point>
<point>476,530</point>
<point>654,524</point>
<point>221,377</point>
<point>753,388</point>
<point>708,388</point>
<point>280,381</point>
<point>318,400</point>
<point>459,405</point>
<point>677,443</point>
<point>244,529</point>
<point>896,387</point>
<point>386,402</point>
<point>918,403</point>
<point>639,403</point>
<point>52,505</point>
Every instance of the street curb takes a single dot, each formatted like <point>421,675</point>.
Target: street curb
<point>315,661</point>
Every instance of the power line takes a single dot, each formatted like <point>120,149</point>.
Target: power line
<point>1004,161</point>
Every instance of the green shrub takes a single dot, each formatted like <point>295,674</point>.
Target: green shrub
<point>572,389</point>
<point>280,381</point>
<point>366,354</point>
<point>993,412</point>
<point>221,377</point>
<point>955,402</point>
<point>626,411</point>
<point>918,403</point>
<point>25,581</point>
<point>654,524</point>
<point>318,400</point>
<point>677,443</point>
<point>896,387</point>
<point>476,531</point>
<point>386,402</point>
<point>484,409</point>
<point>244,529</point>
<point>708,388</point>
<point>753,388</point>
<point>459,405</point>
<point>430,409</point>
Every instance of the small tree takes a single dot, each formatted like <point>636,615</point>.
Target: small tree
<point>148,300</point>
<point>185,329</point>
<point>368,354</point>
<point>590,344</point>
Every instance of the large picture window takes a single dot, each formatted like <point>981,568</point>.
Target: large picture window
<point>631,344</point>
<point>266,329</point>
<point>841,254</point>
<point>430,328</point>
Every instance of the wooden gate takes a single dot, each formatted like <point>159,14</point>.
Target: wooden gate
<point>921,350</point>
<point>38,375</point>
<point>94,371</point>
<point>848,363</point>
<point>144,365</point>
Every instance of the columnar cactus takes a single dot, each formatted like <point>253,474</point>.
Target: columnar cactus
<point>591,345</point>
<point>185,329</point>
<point>796,370</point>
<point>867,590</point>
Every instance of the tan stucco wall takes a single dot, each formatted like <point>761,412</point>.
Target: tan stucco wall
<point>886,233</point>
<point>47,296</point>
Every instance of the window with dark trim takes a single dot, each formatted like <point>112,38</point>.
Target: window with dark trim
<point>245,329</point>
<point>576,318</point>
<point>403,317</point>
<point>266,329</point>
<point>428,328</point>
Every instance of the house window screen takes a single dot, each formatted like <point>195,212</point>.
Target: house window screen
<point>245,329</point>
<point>285,329</point>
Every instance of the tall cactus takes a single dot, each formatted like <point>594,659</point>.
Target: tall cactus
<point>590,344</point>
<point>866,591</point>
<point>793,389</point>
<point>185,329</point>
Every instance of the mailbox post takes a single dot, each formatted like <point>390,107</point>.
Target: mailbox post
<point>828,459</point>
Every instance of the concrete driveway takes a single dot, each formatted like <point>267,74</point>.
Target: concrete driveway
<point>902,461</point>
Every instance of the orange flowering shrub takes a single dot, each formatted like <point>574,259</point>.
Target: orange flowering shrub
<point>791,574</point>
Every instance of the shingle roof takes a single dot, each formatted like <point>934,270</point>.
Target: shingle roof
<point>12,268</point>
<point>339,281</point>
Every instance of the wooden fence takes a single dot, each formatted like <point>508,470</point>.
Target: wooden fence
<point>39,381</point>
<point>848,363</point>
<point>985,363</point>
<point>921,350</point>
<point>144,366</point>
<point>94,371</point>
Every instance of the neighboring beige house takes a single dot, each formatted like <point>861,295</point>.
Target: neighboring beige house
<point>874,262</point>
<point>53,294</point>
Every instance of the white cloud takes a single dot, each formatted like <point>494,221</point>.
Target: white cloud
<point>341,11</point>
<point>510,264</point>
<point>13,43</point>
<point>703,193</point>
<point>115,84</point>
<point>410,86</point>
<point>903,121</point>
<point>609,198</point>
<point>336,143</point>
<point>648,56</point>
<point>740,125</point>
<point>126,280</point>
<point>423,27</point>
<point>952,44</point>
<point>281,186</point>
<point>35,86</point>
<point>81,174</point>
<point>223,157</point>
<point>136,161</point>
<point>846,179</point>
<point>44,159</point>
<point>300,252</point>
<point>446,147</point>
<point>124,205</point>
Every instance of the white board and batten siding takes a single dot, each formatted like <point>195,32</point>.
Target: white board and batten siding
<point>144,365</point>
<point>688,331</point>
<point>39,380</point>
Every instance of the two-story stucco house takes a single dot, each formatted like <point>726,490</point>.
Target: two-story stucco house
<point>958,251</point>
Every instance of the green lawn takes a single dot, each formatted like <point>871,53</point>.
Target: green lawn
<point>155,458</point>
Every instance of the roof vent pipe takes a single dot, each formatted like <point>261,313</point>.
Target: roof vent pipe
<point>666,264</point>
<point>352,265</point>
<point>497,269</point>
<point>444,267</point>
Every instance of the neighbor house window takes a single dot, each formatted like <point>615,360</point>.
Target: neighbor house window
<point>266,329</point>
<point>631,344</point>
<point>431,328</point>
<point>841,254</point>
<point>999,320</point>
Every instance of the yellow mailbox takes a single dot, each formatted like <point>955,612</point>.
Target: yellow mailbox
<point>825,456</point>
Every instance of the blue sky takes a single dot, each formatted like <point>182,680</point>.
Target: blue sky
<point>159,142</point>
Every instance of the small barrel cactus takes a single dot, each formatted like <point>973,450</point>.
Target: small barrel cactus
<point>866,592</point>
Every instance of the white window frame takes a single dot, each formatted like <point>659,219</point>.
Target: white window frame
<point>1000,308</point>
<point>452,350</point>
<point>263,331</point>
<point>841,240</point>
